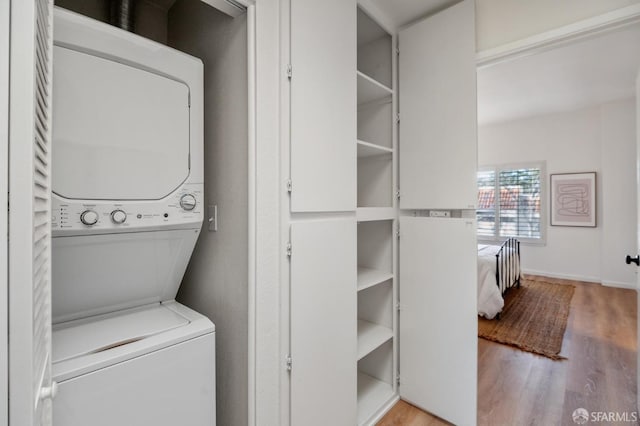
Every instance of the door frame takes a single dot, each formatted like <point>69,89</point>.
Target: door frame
<point>638,218</point>
<point>616,20</point>
<point>611,21</point>
<point>4,189</point>
<point>268,325</point>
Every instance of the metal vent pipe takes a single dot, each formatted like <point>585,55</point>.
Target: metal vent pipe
<point>123,14</point>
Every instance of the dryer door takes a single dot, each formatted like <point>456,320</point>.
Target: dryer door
<point>119,132</point>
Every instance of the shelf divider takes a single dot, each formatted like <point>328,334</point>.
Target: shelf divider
<point>367,149</point>
<point>370,90</point>
<point>372,395</point>
<point>368,214</point>
<point>371,336</point>
<point>369,277</point>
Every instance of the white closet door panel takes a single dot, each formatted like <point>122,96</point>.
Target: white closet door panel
<point>438,316</point>
<point>323,323</point>
<point>438,144</point>
<point>323,105</point>
<point>30,386</point>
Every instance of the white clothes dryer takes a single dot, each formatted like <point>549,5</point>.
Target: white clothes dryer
<point>127,210</point>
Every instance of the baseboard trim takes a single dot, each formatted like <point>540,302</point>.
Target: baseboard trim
<point>617,284</point>
<point>562,276</point>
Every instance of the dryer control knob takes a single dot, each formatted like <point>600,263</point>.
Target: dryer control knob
<point>188,202</point>
<point>89,217</point>
<point>118,216</point>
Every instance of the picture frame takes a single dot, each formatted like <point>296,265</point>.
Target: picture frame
<point>573,199</point>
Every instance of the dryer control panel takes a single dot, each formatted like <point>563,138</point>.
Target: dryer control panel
<point>182,209</point>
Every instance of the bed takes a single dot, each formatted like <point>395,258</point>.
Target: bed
<point>498,271</point>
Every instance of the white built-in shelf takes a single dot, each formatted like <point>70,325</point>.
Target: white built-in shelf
<point>368,277</point>
<point>368,214</point>
<point>371,336</point>
<point>366,149</point>
<point>372,395</point>
<point>370,90</point>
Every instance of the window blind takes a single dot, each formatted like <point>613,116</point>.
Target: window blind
<point>519,203</point>
<point>486,212</point>
<point>516,212</point>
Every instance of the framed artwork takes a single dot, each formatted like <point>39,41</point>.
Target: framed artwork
<point>573,199</point>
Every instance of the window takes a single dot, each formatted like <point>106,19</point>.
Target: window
<point>517,212</point>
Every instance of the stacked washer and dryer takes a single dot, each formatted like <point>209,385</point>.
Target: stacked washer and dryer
<point>127,211</point>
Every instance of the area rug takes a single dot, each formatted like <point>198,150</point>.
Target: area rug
<point>534,318</point>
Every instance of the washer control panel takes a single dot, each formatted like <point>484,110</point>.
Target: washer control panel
<point>89,217</point>
<point>188,202</point>
<point>183,207</point>
<point>118,216</point>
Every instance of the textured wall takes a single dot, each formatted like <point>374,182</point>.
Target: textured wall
<point>216,281</point>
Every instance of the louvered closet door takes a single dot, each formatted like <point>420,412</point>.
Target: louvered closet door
<point>30,385</point>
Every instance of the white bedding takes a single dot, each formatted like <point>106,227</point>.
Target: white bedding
<point>490,301</point>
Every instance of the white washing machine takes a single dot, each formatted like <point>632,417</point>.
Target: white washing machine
<point>127,210</point>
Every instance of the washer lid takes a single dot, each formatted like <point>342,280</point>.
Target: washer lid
<point>97,274</point>
<point>103,333</point>
<point>119,132</point>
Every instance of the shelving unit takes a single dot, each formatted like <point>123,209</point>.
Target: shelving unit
<point>374,51</point>
<point>368,214</point>
<point>375,181</point>
<point>367,150</point>
<point>375,246</point>
<point>370,337</point>
<point>376,215</point>
<point>368,277</point>
<point>375,115</point>
<point>375,124</point>
<point>372,394</point>
<point>375,382</point>
<point>370,90</point>
<point>352,305</point>
<point>375,316</point>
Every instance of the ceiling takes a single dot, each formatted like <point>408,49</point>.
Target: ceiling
<point>402,12</point>
<point>581,74</point>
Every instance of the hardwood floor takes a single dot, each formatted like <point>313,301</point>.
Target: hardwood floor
<point>520,388</point>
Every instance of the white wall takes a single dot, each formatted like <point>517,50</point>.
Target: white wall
<point>600,139</point>
<point>504,21</point>
<point>216,281</point>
